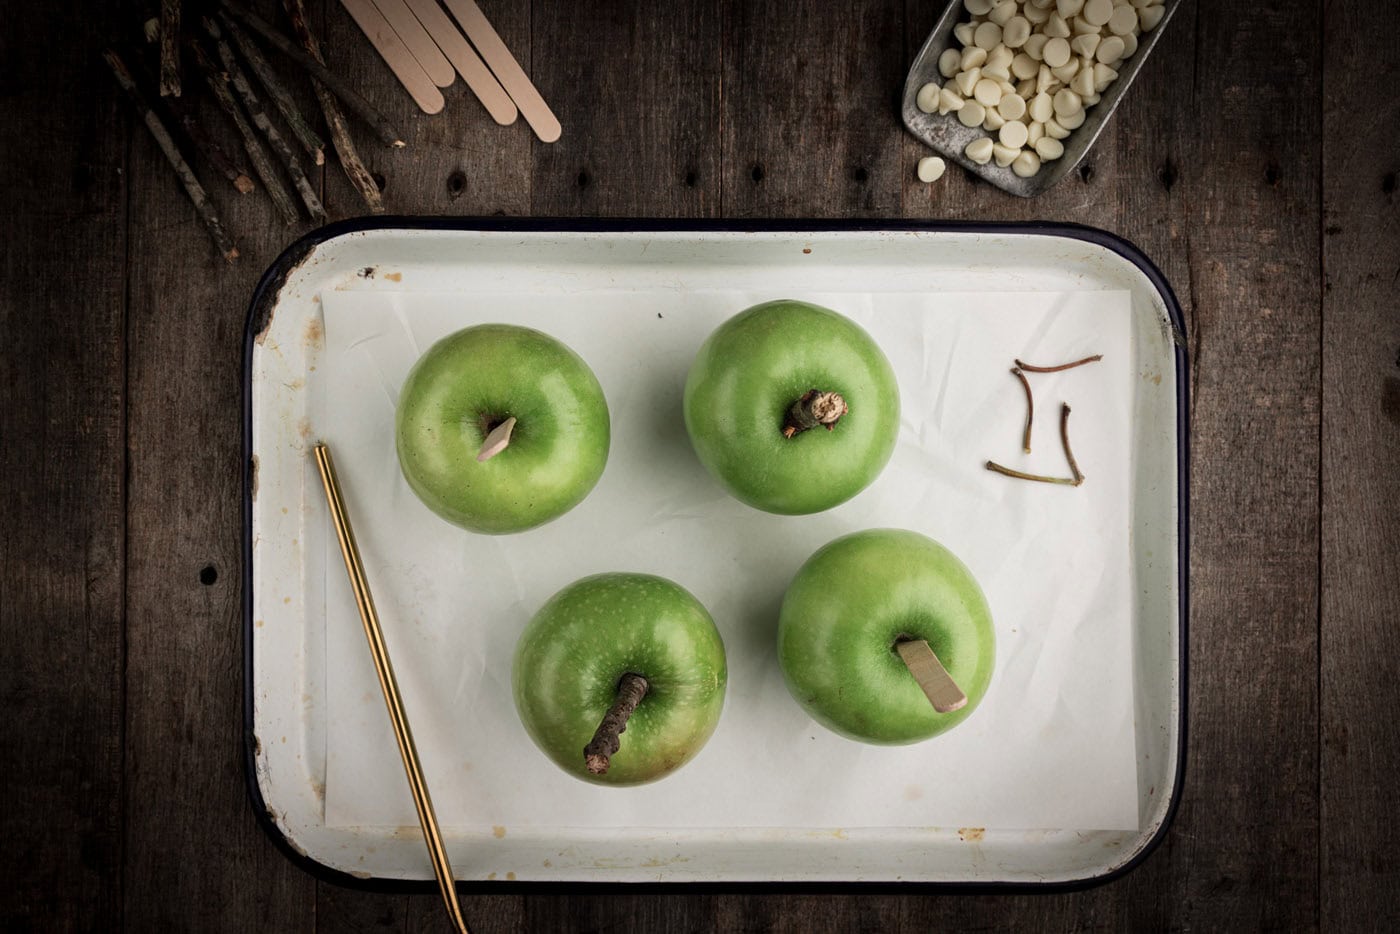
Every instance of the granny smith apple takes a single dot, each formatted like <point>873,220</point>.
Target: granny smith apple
<point>845,615</point>
<point>627,654</point>
<point>792,407</point>
<point>501,428</point>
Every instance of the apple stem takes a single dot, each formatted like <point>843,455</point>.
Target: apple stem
<point>496,440</point>
<point>814,408</point>
<point>630,691</point>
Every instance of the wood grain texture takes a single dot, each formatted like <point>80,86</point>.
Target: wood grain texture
<point>195,856</point>
<point>1360,651</point>
<point>61,449</point>
<point>637,92</point>
<point>810,123</point>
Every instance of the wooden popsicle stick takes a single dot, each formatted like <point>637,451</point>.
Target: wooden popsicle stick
<point>468,64</point>
<point>507,70</point>
<point>438,69</point>
<point>395,54</point>
<point>938,686</point>
<point>496,441</point>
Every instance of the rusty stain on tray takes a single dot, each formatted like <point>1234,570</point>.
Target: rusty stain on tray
<point>498,831</point>
<point>314,334</point>
<point>972,834</point>
<point>394,276</point>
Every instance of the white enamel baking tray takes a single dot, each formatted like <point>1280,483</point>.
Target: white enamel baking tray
<point>285,709</point>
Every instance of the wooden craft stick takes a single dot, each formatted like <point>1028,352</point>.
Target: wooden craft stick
<point>938,686</point>
<point>350,160</point>
<point>316,67</point>
<point>193,188</point>
<point>395,54</point>
<point>464,58</point>
<point>435,65</point>
<point>508,71</point>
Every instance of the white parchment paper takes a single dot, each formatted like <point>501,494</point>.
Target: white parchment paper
<point>1052,745</point>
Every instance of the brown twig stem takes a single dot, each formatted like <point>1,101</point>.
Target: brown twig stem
<point>262,122</point>
<point>1030,368</point>
<point>210,149</point>
<point>218,83</point>
<point>1019,475</point>
<point>276,90</point>
<point>1064,436</point>
<point>605,743</point>
<point>167,145</point>
<point>1030,408</point>
<point>350,160</point>
<point>318,71</point>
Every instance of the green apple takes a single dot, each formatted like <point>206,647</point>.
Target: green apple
<point>501,428</point>
<point>620,652</point>
<point>763,387</point>
<point>844,616</point>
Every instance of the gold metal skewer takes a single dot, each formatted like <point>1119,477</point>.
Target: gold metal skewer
<point>427,818</point>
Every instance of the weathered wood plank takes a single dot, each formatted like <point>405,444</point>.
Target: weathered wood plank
<point>195,857</point>
<point>636,87</point>
<point>810,121</point>
<point>1360,879</point>
<point>62,306</point>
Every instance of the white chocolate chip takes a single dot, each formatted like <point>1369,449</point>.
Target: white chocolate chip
<point>979,150</point>
<point>1097,11</point>
<point>1042,107</point>
<point>1013,133</point>
<point>1092,99</point>
<point>987,36</point>
<point>927,98</point>
<point>1067,102</point>
<point>1082,27</point>
<point>1000,57</point>
<point>1049,149</point>
<point>1150,16</point>
<point>997,72</point>
<point>972,114</point>
<point>949,63</point>
<point>1065,72</point>
<point>1073,120</point>
<point>1003,12</point>
<point>1083,83</point>
<point>1110,50</point>
<point>1012,106</point>
<point>972,57</point>
<point>1054,130</point>
<point>1003,154</point>
<point>1084,45</point>
<point>1023,66</point>
<point>1103,77</point>
<point>931,168</point>
<point>1026,164</point>
<point>1035,133</point>
<point>1056,52</point>
<point>1123,21</point>
<point>987,92</point>
<point>1016,31</point>
<point>1035,46</point>
<point>964,33</point>
<point>967,80</point>
<point>1068,8</point>
<point>993,121</point>
<point>1026,89</point>
<point>949,101</point>
<point>1130,45</point>
<point>1035,15</point>
<point>1056,27</point>
<point>1045,81</point>
<point>978,7</point>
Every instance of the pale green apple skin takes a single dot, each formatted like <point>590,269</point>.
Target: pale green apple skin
<point>842,615</point>
<point>576,649</point>
<point>746,376</point>
<point>557,451</point>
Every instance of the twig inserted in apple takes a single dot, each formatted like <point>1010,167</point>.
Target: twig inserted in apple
<point>630,691</point>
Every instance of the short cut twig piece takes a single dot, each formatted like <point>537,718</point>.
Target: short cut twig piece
<point>218,83</point>
<point>1039,478</point>
<point>193,188</point>
<point>350,160</point>
<point>1030,409</point>
<point>261,121</point>
<point>496,440</point>
<point>1064,437</point>
<point>319,71</point>
<point>1031,368</point>
<point>169,48</point>
<point>938,686</point>
<point>307,137</point>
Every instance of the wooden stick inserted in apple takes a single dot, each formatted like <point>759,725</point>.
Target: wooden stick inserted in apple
<point>938,686</point>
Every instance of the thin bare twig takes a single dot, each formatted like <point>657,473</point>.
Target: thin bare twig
<point>1064,436</point>
<point>1007,471</point>
<point>1029,368</point>
<point>350,160</point>
<point>218,83</point>
<point>167,145</point>
<point>276,90</point>
<point>169,48</point>
<point>1030,408</point>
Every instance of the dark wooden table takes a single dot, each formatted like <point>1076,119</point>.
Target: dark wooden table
<point>1255,160</point>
